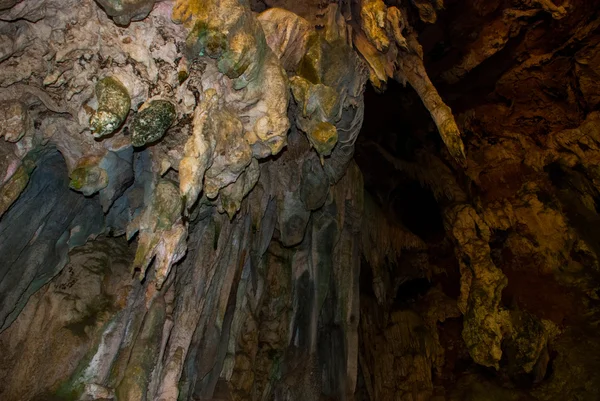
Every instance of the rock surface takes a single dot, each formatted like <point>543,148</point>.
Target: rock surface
<point>244,200</point>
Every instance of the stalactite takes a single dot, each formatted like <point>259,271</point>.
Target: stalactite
<point>182,217</point>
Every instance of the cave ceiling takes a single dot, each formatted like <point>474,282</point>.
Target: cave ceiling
<point>299,200</point>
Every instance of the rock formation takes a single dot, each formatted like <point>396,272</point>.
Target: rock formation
<point>299,200</point>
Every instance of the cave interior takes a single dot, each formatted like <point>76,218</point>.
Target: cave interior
<point>364,200</point>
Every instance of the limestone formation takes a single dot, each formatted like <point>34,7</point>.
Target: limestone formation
<point>152,121</point>
<point>243,200</point>
<point>113,106</point>
<point>162,232</point>
<point>125,11</point>
<point>16,120</point>
<point>481,286</point>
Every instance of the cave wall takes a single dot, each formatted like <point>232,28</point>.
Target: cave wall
<point>147,122</point>
<point>525,273</point>
<point>183,215</point>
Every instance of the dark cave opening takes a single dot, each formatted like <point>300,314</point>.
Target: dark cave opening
<point>419,211</point>
<point>398,122</point>
<point>366,280</point>
<point>410,291</point>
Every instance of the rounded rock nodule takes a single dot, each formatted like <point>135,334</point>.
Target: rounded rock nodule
<point>114,103</point>
<point>151,123</point>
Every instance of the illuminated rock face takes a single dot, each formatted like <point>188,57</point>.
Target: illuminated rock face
<point>188,211</point>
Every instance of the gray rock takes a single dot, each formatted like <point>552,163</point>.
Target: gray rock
<point>314,185</point>
<point>51,219</point>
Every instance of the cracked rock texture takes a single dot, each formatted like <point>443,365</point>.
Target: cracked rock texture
<point>299,200</point>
